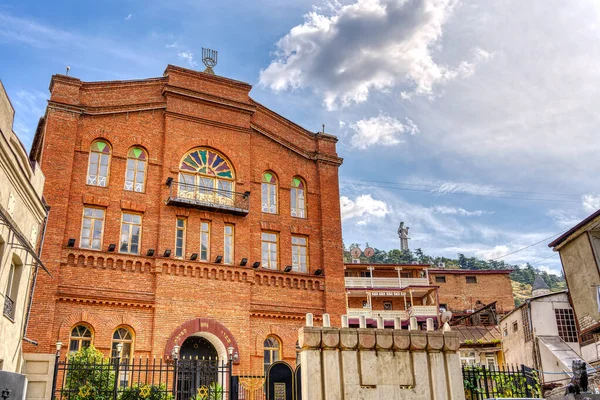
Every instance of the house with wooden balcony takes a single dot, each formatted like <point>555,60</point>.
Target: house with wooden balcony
<point>390,291</point>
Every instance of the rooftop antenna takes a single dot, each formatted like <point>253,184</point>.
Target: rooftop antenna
<point>68,68</point>
<point>209,58</point>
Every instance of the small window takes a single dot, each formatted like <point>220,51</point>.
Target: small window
<point>269,193</point>
<point>228,243</point>
<point>298,199</point>
<point>272,352</point>
<point>180,226</point>
<point>81,337</point>
<point>98,164</point>
<point>131,232</point>
<point>12,290</point>
<point>440,279</point>
<point>505,332</point>
<point>471,279</point>
<point>299,254</point>
<point>443,307</point>
<point>515,326</point>
<point>565,322</point>
<point>92,228</point>
<point>135,174</point>
<point>365,274</point>
<point>366,304</point>
<point>348,273</point>
<point>467,358</point>
<point>204,240</point>
<point>387,305</point>
<point>490,360</point>
<point>270,253</point>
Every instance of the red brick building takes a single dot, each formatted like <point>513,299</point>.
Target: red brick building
<point>184,213</point>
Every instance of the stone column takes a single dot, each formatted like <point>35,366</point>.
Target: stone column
<point>453,368</point>
<point>331,363</point>
<point>420,362</point>
<point>439,385</point>
<point>309,340</point>
<point>349,367</point>
<point>403,362</point>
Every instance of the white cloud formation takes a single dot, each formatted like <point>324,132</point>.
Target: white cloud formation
<point>382,130</point>
<point>363,208</point>
<point>495,252</point>
<point>459,211</point>
<point>128,17</point>
<point>188,57</point>
<point>565,219</point>
<point>364,46</point>
<point>591,202</point>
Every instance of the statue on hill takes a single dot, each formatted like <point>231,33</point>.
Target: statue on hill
<point>403,235</point>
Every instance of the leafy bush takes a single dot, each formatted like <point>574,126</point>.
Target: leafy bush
<point>146,392</point>
<point>89,376</point>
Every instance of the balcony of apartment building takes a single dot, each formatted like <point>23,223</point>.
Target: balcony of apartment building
<point>389,291</point>
<point>204,197</point>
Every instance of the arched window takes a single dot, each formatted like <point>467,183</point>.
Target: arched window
<point>135,175</point>
<point>298,198</point>
<point>81,337</point>
<point>99,163</point>
<point>206,175</point>
<point>269,193</point>
<point>123,336</point>
<point>272,351</point>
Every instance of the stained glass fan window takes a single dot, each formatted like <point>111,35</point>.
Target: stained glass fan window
<point>206,176</point>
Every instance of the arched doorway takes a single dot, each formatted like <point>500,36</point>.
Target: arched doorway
<point>197,347</point>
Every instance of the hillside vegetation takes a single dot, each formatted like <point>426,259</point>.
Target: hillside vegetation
<point>522,276</point>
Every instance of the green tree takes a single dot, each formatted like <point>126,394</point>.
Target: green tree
<point>89,376</point>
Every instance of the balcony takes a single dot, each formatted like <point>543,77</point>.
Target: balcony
<point>385,314</point>
<point>9,308</point>
<point>187,195</point>
<point>377,283</point>
<point>423,311</point>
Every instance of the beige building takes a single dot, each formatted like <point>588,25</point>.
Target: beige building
<point>579,250</point>
<point>541,334</point>
<point>22,216</point>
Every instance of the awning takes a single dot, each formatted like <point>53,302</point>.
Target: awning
<point>21,241</point>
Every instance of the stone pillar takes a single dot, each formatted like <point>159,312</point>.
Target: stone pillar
<point>437,368</point>
<point>367,357</point>
<point>331,363</point>
<point>453,367</point>
<point>349,367</point>
<point>309,340</point>
<point>420,362</point>
<point>402,357</point>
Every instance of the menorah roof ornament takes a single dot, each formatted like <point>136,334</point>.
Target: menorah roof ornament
<point>209,58</point>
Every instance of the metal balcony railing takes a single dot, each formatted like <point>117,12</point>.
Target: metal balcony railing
<point>423,311</point>
<point>385,314</point>
<point>9,307</point>
<point>188,195</point>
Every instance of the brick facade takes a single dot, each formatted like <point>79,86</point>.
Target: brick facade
<point>155,296</point>
<point>488,286</point>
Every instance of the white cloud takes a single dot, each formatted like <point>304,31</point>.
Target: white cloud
<point>363,208</point>
<point>591,202</point>
<point>459,211</point>
<point>382,130</point>
<point>365,46</point>
<point>565,219</point>
<point>187,57</point>
<point>495,252</point>
<point>127,18</point>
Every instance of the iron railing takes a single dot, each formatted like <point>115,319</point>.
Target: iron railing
<point>481,382</point>
<point>189,195</point>
<point>142,378</point>
<point>9,307</point>
<point>248,387</point>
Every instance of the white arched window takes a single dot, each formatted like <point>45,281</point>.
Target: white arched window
<point>81,337</point>
<point>272,351</point>
<point>269,193</point>
<point>123,336</point>
<point>135,174</point>
<point>298,198</point>
<point>99,163</point>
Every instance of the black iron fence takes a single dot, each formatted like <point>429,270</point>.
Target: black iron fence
<point>141,378</point>
<point>481,382</point>
<point>248,387</point>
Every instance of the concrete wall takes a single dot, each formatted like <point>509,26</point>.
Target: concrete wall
<point>516,349</point>
<point>374,364</point>
<point>20,196</point>
<point>39,369</point>
<point>544,317</point>
<point>583,278</point>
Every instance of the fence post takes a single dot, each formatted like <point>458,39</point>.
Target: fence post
<point>58,346</point>
<point>175,355</point>
<point>116,385</point>
<point>487,390</point>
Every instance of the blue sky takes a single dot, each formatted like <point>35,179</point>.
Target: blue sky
<point>473,122</point>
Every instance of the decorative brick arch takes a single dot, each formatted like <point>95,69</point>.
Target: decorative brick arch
<point>199,325</point>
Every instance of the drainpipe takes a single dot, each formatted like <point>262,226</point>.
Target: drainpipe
<point>34,280</point>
